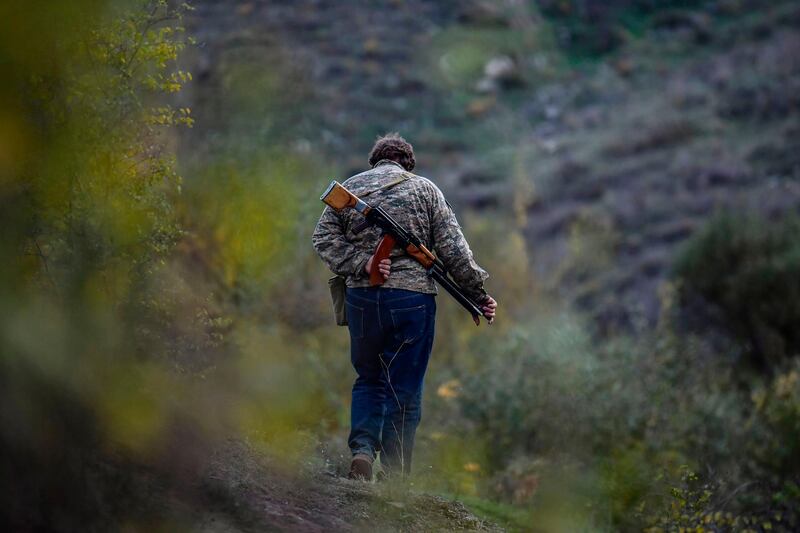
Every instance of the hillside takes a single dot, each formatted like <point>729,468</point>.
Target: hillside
<point>628,171</point>
<point>604,163</point>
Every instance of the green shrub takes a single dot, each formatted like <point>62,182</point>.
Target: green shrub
<point>545,389</point>
<point>588,29</point>
<point>563,421</point>
<point>747,268</point>
<point>618,429</point>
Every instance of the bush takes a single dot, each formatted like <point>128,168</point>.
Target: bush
<point>658,431</point>
<point>593,28</point>
<point>563,421</point>
<point>747,269</point>
<point>546,390</point>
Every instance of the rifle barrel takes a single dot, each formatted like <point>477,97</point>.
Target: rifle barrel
<point>437,271</point>
<point>455,291</point>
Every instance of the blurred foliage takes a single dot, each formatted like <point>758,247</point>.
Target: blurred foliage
<point>144,319</point>
<point>106,180</point>
<point>587,28</point>
<point>636,422</point>
<point>89,223</point>
<point>748,268</point>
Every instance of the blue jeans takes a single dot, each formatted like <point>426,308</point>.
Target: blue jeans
<point>391,336</point>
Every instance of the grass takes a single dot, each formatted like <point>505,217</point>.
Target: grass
<point>509,517</point>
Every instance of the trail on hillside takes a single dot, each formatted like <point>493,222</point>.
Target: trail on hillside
<point>246,491</point>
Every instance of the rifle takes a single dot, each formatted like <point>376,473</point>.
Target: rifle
<point>338,198</point>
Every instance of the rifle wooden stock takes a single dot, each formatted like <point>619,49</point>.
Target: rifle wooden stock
<point>424,256</point>
<point>382,252</point>
<point>337,197</point>
<point>421,254</point>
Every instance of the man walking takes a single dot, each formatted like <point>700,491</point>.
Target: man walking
<point>391,326</point>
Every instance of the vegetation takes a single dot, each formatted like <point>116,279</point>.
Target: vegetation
<point>748,268</point>
<point>657,432</point>
<point>597,28</point>
<point>167,358</point>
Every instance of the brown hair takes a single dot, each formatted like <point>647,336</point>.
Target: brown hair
<point>393,146</point>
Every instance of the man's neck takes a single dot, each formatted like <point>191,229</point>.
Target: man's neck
<point>387,161</point>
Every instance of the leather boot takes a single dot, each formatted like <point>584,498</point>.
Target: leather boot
<point>361,467</point>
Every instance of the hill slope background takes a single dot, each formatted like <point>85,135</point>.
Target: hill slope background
<point>626,170</point>
<point>604,144</point>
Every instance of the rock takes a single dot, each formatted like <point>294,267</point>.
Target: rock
<point>500,72</point>
<point>697,26</point>
<point>499,67</point>
<point>485,85</point>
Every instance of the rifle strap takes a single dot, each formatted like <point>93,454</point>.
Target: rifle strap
<point>361,227</point>
<point>388,186</point>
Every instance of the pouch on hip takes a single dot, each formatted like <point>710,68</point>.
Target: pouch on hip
<point>337,287</point>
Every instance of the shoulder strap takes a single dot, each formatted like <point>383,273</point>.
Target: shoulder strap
<point>388,186</point>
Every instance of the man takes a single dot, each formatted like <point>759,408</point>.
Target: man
<point>391,326</point>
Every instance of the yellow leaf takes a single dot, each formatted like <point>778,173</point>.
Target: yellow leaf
<point>449,389</point>
<point>472,467</point>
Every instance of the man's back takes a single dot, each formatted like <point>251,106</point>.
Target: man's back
<point>419,206</point>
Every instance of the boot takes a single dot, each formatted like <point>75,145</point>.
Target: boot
<point>361,467</point>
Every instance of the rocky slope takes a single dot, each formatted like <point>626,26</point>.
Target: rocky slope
<point>640,169</point>
<point>608,164</point>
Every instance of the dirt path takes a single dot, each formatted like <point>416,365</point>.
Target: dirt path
<point>246,491</point>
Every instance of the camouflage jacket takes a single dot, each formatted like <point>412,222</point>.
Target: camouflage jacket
<point>420,207</point>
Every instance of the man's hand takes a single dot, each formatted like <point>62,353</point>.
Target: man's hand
<point>489,308</point>
<point>384,267</point>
